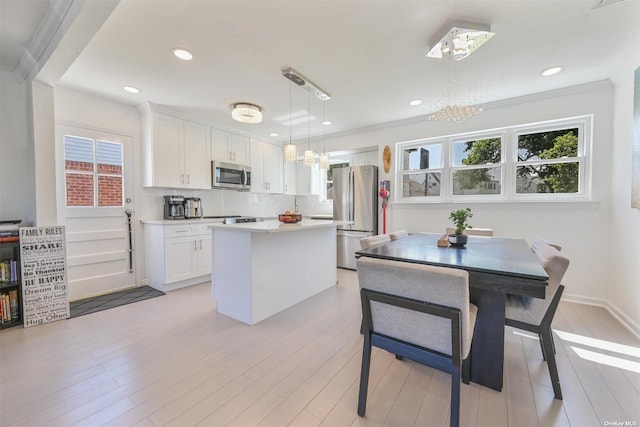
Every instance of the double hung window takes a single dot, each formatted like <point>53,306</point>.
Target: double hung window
<point>545,161</point>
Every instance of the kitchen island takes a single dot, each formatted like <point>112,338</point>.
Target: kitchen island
<point>262,268</point>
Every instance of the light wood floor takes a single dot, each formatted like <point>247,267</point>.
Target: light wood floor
<point>173,361</point>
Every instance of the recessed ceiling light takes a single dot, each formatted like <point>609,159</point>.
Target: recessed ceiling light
<point>551,71</point>
<point>131,89</point>
<point>327,122</point>
<point>183,54</point>
<point>273,134</point>
<point>415,102</point>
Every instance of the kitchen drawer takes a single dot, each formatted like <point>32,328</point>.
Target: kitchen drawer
<point>203,228</point>
<point>180,230</point>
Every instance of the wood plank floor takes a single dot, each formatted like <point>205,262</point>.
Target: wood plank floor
<point>174,361</point>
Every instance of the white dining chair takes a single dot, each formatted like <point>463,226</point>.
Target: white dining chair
<point>398,234</point>
<point>419,312</point>
<point>473,231</point>
<point>370,241</point>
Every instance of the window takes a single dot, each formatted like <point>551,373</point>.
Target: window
<point>93,172</point>
<point>544,161</point>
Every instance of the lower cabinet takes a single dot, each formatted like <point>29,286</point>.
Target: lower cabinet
<point>177,255</point>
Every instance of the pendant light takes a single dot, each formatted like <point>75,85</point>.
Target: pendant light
<point>324,157</point>
<point>308,153</point>
<point>290,150</point>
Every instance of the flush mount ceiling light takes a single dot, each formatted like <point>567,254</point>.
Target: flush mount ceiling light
<point>246,113</point>
<point>460,41</point>
<point>183,54</point>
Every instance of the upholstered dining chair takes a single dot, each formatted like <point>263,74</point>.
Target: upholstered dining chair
<point>398,234</point>
<point>419,312</point>
<point>472,231</point>
<point>544,242</point>
<point>535,314</point>
<point>370,241</point>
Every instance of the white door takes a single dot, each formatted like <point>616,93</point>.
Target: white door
<point>95,192</point>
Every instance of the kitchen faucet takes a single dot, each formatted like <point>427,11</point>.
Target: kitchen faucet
<point>295,204</point>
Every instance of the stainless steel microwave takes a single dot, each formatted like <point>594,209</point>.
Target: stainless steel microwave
<point>230,175</point>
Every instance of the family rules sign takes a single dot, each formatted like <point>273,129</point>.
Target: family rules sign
<point>44,275</point>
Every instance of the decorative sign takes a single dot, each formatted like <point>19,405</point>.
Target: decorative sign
<point>44,275</point>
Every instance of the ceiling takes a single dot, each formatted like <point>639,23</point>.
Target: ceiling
<point>368,54</point>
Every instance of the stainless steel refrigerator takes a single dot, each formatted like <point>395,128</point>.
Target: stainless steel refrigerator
<point>355,198</point>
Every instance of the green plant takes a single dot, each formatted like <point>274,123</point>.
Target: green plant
<point>459,219</point>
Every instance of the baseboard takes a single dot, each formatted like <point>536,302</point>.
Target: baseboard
<point>618,314</point>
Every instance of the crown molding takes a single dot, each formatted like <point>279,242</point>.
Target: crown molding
<point>57,20</point>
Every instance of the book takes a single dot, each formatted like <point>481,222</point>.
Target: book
<point>13,304</point>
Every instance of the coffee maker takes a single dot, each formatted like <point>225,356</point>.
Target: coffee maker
<point>173,207</point>
<point>192,207</point>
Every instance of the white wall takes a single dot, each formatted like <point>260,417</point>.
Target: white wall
<point>17,175</point>
<point>624,282</point>
<point>581,228</point>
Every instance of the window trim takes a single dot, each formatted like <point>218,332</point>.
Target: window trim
<point>509,163</point>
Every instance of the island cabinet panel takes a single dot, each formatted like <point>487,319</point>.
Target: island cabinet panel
<point>262,269</point>
<point>177,255</point>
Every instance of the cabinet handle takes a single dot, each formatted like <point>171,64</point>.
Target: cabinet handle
<point>188,178</point>
<point>195,247</point>
<point>200,244</point>
<point>230,155</point>
<point>181,178</point>
<point>181,231</point>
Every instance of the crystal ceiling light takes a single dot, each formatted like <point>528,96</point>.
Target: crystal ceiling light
<point>309,155</point>
<point>290,150</point>
<point>324,157</point>
<point>246,113</point>
<point>460,41</point>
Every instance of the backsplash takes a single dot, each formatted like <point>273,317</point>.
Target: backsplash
<point>221,202</point>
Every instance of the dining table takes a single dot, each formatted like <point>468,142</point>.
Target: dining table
<point>497,267</point>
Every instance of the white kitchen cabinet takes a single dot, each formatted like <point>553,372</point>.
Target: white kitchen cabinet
<point>364,158</point>
<point>229,147</point>
<point>290,180</point>
<point>176,152</point>
<point>308,179</point>
<point>266,167</point>
<point>177,255</point>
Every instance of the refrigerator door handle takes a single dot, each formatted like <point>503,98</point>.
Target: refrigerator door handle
<point>351,196</point>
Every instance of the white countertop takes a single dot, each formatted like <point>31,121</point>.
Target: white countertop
<point>274,226</point>
<point>182,221</point>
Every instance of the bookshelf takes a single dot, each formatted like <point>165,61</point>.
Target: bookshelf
<point>10,282</point>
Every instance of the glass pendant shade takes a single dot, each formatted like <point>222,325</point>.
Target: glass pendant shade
<point>324,161</point>
<point>290,153</point>
<point>308,157</point>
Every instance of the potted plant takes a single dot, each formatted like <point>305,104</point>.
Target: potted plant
<point>459,219</point>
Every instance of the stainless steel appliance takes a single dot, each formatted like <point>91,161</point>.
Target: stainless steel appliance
<point>230,175</point>
<point>355,198</point>
<point>173,207</point>
<point>192,207</point>
<point>241,219</point>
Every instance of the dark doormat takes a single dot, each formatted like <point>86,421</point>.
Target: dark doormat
<point>116,299</point>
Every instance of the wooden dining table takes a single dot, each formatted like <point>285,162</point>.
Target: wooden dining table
<point>497,267</point>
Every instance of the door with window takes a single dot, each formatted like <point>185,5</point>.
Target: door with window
<point>95,192</point>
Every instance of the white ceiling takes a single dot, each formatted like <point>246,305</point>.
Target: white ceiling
<point>368,54</point>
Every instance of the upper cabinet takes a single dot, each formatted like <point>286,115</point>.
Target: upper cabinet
<point>176,152</point>
<point>289,185</point>
<point>266,167</point>
<point>229,147</point>
<point>364,158</point>
<point>308,179</point>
